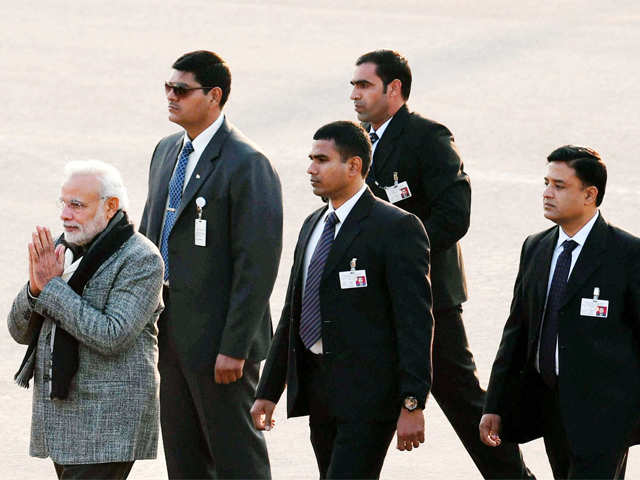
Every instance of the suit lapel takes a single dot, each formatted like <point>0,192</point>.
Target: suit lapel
<point>542,264</point>
<point>590,258</point>
<point>161,188</point>
<point>348,232</point>
<point>388,141</point>
<point>205,166</point>
<point>305,233</point>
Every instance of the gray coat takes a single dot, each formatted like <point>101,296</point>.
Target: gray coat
<point>111,414</point>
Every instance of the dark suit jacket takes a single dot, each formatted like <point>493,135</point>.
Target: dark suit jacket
<point>425,156</point>
<point>599,358</point>
<point>219,294</point>
<point>377,340</point>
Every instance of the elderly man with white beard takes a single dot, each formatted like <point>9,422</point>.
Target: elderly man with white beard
<point>88,314</point>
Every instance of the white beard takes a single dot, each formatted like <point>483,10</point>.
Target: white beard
<point>88,231</point>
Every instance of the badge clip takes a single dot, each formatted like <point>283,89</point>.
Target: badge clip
<point>395,178</point>
<point>596,294</point>
<point>200,203</point>
<point>353,265</point>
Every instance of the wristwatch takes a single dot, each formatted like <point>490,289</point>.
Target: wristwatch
<point>410,403</point>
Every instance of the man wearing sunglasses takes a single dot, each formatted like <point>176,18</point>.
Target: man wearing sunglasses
<point>214,209</point>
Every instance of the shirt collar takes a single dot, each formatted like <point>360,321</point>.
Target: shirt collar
<point>581,235</point>
<point>343,210</point>
<point>381,129</point>
<point>201,141</point>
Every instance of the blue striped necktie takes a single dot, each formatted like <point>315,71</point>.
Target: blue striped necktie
<point>310,320</point>
<point>555,299</point>
<point>175,196</point>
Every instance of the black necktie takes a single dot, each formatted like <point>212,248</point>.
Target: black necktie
<point>549,336</point>
<point>374,137</point>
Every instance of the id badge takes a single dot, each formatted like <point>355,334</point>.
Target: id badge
<point>200,239</point>
<point>591,307</point>
<point>353,279</point>
<point>398,191</point>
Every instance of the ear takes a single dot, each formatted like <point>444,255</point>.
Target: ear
<point>215,95</point>
<point>111,207</point>
<point>355,166</point>
<point>395,87</point>
<point>591,193</point>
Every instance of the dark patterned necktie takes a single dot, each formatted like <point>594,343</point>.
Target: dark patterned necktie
<point>549,335</point>
<point>310,320</point>
<point>374,137</point>
<point>175,196</point>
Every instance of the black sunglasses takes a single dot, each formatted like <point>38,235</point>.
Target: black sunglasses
<point>180,90</point>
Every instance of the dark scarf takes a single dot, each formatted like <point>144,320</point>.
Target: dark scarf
<point>65,346</point>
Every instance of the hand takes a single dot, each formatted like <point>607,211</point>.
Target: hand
<point>228,369</point>
<point>261,412</point>
<point>410,429</point>
<point>490,425</point>
<point>45,262</point>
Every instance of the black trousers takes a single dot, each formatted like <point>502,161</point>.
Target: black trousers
<point>566,464</point>
<point>207,431</point>
<point>101,471</point>
<point>457,390</point>
<point>353,450</point>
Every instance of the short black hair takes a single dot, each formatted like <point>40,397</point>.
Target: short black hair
<point>389,66</point>
<point>351,140</point>
<point>587,163</point>
<point>209,70</point>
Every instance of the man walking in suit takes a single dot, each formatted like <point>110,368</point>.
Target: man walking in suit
<point>353,343</point>
<point>416,166</point>
<point>569,361</point>
<point>88,314</point>
<point>215,210</point>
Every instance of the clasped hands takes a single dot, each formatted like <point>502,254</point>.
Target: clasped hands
<point>46,261</point>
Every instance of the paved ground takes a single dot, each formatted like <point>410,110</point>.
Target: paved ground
<point>512,80</point>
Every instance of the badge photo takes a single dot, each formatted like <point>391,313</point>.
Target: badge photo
<point>594,307</point>
<point>398,191</point>
<point>353,278</point>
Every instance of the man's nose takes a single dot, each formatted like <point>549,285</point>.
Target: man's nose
<point>171,96</point>
<point>66,212</point>
<point>311,170</point>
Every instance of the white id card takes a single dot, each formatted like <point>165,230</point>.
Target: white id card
<point>398,192</point>
<point>200,239</point>
<point>353,279</point>
<point>594,308</point>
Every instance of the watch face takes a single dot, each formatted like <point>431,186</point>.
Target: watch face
<point>411,403</point>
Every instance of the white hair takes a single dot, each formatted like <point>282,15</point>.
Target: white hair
<point>108,175</point>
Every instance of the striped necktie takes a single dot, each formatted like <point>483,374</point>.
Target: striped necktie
<point>175,196</point>
<point>310,319</point>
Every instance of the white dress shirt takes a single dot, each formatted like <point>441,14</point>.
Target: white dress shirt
<point>378,132</point>
<point>341,212</point>
<point>199,144</point>
<point>580,237</point>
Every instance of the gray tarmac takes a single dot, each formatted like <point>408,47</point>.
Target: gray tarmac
<point>512,80</point>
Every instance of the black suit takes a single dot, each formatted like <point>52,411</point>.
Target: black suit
<point>376,340</point>
<point>424,155</point>
<point>597,402</point>
<point>217,302</point>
